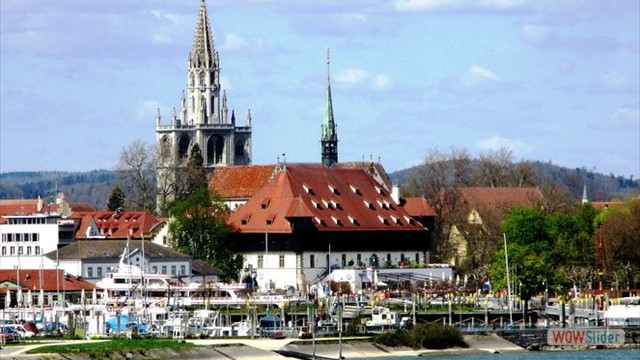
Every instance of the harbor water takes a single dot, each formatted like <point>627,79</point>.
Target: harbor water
<point>622,354</point>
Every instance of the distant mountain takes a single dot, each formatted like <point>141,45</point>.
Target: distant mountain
<point>600,187</point>
<point>94,187</point>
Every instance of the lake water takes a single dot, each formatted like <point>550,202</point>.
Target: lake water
<point>626,354</point>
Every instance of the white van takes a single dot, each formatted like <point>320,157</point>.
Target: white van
<point>21,330</point>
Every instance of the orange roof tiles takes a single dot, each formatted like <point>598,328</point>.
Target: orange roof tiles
<point>418,206</point>
<point>501,196</point>
<point>116,225</point>
<point>333,199</point>
<point>30,280</point>
<point>240,181</point>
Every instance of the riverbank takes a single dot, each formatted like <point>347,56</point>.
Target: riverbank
<point>269,349</point>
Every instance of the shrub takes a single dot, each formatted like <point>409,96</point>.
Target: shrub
<point>428,336</point>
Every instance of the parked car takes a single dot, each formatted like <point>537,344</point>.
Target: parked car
<point>8,335</point>
<point>20,330</point>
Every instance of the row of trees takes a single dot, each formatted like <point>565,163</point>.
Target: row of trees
<point>198,225</point>
<point>552,245</point>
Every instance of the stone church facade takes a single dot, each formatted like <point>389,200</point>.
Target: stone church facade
<point>203,117</point>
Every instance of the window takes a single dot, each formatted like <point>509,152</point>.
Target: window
<point>344,260</point>
<point>154,269</point>
<point>99,271</point>
<point>35,237</point>
<point>37,250</point>
<point>260,261</point>
<point>359,259</point>
<point>389,257</point>
<point>328,260</point>
<point>281,261</point>
<point>13,250</point>
<point>164,269</point>
<point>183,270</point>
<point>312,261</point>
<point>4,250</point>
<point>90,271</point>
<point>28,250</point>
<point>173,269</point>
<point>20,250</point>
<point>417,257</point>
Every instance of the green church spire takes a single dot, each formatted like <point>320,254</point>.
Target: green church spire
<point>329,139</point>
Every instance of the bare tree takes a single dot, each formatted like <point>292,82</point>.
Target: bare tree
<point>136,175</point>
<point>495,168</point>
<point>438,180</point>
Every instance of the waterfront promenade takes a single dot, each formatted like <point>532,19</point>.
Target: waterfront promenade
<point>268,349</point>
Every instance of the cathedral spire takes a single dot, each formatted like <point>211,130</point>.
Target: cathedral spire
<point>329,139</point>
<point>204,75</point>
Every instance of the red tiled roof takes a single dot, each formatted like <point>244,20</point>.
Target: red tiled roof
<point>116,225</point>
<point>418,206</point>
<point>30,280</point>
<point>13,207</point>
<point>501,196</point>
<point>333,199</point>
<point>240,181</point>
<point>602,205</point>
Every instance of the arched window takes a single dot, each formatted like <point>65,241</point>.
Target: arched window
<point>239,149</point>
<point>183,147</point>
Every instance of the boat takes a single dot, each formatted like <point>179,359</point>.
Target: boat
<point>382,319</point>
<point>626,313</point>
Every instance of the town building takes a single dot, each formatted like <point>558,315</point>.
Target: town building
<point>40,287</point>
<point>29,228</point>
<point>478,213</point>
<point>92,259</point>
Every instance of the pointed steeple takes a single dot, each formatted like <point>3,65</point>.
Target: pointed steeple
<point>203,75</point>
<point>329,139</point>
<point>585,199</point>
<point>203,49</point>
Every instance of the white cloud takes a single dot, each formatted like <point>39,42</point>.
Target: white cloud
<point>615,82</point>
<point>148,109</point>
<point>381,82</point>
<point>497,142</point>
<point>626,113</point>
<point>361,77</point>
<point>233,42</point>
<point>352,76</point>
<point>478,76</point>
<point>459,5</point>
<point>536,34</point>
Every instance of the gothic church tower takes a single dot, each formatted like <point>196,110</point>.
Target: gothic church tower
<point>203,117</point>
<point>329,139</point>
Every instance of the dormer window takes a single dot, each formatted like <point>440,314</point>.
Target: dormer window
<point>319,221</point>
<point>265,203</point>
<point>383,220</point>
<point>245,220</point>
<point>336,220</point>
<point>379,190</point>
<point>308,189</point>
<point>355,190</point>
<point>396,220</point>
<point>335,204</point>
<point>333,190</point>
<point>408,219</point>
<point>369,205</point>
<point>316,205</point>
<point>353,220</point>
<point>271,219</point>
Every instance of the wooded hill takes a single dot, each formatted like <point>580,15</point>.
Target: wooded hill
<point>94,187</point>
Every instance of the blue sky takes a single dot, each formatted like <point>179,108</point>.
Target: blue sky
<point>552,80</point>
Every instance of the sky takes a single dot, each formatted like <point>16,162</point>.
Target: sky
<point>552,80</point>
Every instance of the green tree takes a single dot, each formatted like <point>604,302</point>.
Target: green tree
<point>528,247</point>
<point>116,199</point>
<point>199,228</point>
